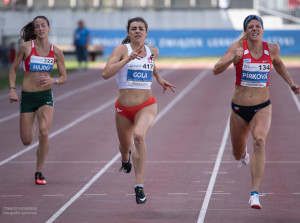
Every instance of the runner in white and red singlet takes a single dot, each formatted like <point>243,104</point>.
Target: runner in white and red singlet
<point>133,63</point>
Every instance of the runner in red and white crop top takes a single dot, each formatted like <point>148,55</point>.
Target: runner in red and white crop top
<point>35,62</point>
<point>251,72</point>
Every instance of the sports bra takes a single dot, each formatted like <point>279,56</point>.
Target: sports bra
<point>35,62</point>
<point>251,72</point>
<point>137,74</point>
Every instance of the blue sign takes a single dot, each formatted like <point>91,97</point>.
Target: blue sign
<point>196,43</point>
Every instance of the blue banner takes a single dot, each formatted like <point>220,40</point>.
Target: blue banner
<point>196,43</point>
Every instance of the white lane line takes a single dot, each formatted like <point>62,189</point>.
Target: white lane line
<point>66,127</point>
<point>116,157</point>
<point>214,175</point>
<point>82,190</point>
<point>296,101</point>
<point>11,195</point>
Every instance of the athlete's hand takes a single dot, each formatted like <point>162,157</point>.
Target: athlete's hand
<point>136,53</point>
<point>45,80</point>
<point>238,55</point>
<point>165,84</point>
<point>295,88</point>
<point>13,96</point>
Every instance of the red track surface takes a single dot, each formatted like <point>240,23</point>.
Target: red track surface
<point>183,145</point>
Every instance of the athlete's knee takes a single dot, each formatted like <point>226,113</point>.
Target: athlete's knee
<point>237,155</point>
<point>259,142</point>
<point>26,140</point>
<point>44,133</point>
<point>138,138</point>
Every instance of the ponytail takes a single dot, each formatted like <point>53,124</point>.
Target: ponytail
<point>27,32</point>
<point>126,40</point>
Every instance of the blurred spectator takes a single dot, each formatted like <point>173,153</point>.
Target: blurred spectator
<point>81,41</point>
<point>11,52</point>
<point>3,56</point>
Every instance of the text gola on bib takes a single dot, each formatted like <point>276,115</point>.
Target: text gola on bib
<point>137,74</point>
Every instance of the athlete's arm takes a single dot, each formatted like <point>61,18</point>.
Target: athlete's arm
<point>280,67</point>
<point>165,84</point>
<point>46,79</point>
<point>61,67</point>
<point>13,96</point>
<point>233,55</point>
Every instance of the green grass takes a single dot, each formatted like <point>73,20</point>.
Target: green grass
<point>4,82</point>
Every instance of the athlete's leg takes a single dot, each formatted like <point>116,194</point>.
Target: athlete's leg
<point>239,132</point>
<point>44,117</point>
<point>142,123</point>
<point>125,135</point>
<point>260,126</point>
<point>27,127</point>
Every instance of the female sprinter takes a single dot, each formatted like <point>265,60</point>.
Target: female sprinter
<point>251,106</point>
<point>38,57</point>
<point>133,64</point>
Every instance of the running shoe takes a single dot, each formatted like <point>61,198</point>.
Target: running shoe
<point>254,201</point>
<point>40,179</point>
<point>126,167</point>
<point>245,160</point>
<point>139,195</point>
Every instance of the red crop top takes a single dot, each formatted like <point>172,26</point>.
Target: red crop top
<point>35,62</point>
<point>251,72</point>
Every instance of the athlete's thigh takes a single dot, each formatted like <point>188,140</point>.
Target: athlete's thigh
<point>125,130</point>
<point>144,118</point>
<point>239,132</point>
<point>26,124</point>
<point>45,116</point>
<point>261,122</point>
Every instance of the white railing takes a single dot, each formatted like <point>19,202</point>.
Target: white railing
<point>286,9</point>
<point>122,4</point>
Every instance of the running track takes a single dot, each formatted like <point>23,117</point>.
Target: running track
<point>191,175</point>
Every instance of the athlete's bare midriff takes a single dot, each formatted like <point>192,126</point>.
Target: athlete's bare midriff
<point>249,96</point>
<point>133,97</point>
<point>31,81</point>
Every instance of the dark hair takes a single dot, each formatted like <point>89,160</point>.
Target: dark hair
<point>251,17</point>
<point>135,19</point>
<point>27,32</point>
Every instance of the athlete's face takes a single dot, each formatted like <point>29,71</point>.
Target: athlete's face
<point>41,28</point>
<point>254,30</point>
<point>137,31</point>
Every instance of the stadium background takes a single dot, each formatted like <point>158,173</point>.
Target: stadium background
<point>179,28</point>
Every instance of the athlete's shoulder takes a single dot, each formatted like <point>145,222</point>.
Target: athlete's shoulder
<point>26,44</point>
<point>274,48</point>
<point>57,52</point>
<point>25,47</point>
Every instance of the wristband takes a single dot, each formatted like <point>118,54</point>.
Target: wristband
<point>12,87</point>
<point>56,81</point>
